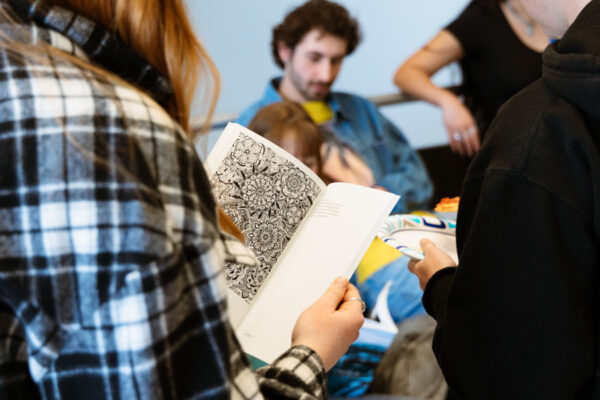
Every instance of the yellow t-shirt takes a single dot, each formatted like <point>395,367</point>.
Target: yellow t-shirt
<point>319,111</point>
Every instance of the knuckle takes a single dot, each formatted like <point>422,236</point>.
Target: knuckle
<point>359,322</point>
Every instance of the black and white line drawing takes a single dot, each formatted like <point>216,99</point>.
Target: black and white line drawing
<point>267,197</point>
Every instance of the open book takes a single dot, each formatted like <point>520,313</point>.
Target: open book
<point>303,233</point>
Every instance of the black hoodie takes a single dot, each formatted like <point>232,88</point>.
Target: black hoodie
<point>519,318</point>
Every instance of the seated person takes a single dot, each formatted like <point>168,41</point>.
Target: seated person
<point>310,45</point>
<point>289,126</point>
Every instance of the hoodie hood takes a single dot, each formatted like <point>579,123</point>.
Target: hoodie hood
<point>572,65</point>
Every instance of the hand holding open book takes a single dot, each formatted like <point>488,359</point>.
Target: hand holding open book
<point>334,313</point>
<point>303,233</point>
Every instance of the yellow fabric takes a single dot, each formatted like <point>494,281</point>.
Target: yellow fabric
<point>319,111</point>
<point>379,254</point>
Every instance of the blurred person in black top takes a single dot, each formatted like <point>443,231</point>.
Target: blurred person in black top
<point>499,49</point>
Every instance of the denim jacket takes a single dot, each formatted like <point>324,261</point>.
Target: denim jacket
<point>358,123</point>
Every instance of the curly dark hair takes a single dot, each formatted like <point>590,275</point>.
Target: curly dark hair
<point>324,15</point>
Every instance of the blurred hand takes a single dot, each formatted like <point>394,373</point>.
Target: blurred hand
<point>435,259</point>
<point>328,329</point>
<point>380,188</point>
<point>460,127</point>
<point>349,167</point>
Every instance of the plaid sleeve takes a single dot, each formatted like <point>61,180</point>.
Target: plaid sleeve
<point>298,374</point>
<point>111,268</point>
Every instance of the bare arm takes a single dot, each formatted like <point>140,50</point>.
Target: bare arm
<point>414,77</point>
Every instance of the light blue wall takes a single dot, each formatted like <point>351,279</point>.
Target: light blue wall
<point>237,33</point>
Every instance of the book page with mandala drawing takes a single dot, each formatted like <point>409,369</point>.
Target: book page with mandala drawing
<point>330,242</point>
<point>303,233</point>
<point>267,193</point>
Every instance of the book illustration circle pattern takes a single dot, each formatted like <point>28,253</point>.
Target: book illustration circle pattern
<point>267,197</point>
<point>245,280</point>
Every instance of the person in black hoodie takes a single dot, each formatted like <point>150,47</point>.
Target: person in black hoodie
<point>519,318</point>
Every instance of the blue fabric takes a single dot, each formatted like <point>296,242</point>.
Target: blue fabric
<point>359,124</point>
<point>353,373</point>
<point>404,299</point>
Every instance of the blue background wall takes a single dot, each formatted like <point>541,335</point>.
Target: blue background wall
<point>237,34</point>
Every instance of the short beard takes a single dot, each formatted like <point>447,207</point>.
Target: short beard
<point>296,80</point>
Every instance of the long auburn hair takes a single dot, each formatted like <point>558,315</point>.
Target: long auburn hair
<point>160,31</point>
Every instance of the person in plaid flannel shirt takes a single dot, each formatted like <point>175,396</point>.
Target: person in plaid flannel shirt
<point>111,260</point>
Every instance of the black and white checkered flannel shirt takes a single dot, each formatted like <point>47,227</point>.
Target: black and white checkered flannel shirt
<point>111,268</point>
